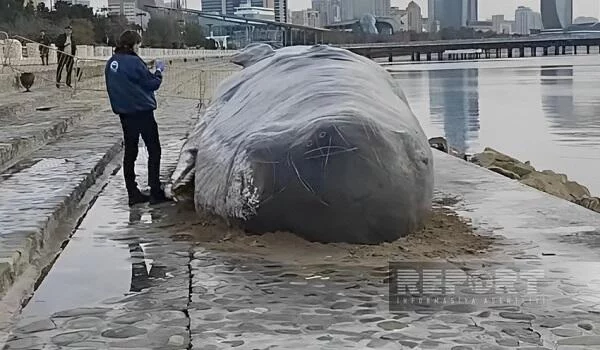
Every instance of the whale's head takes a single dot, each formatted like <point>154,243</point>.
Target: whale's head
<point>339,166</point>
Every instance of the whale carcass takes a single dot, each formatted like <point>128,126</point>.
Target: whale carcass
<point>315,140</point>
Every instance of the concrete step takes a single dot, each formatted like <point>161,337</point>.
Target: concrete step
<point>42,190</point>
<point>24,129</point>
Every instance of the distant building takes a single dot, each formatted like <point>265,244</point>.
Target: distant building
<point>414,17</point>
<point>453,13</point>
<point>281,11</point>
<point>227,7</point>
<point>248,11</point>
<point>73,2</point>
<point>356,9</point>
<point>309,18</point>
<point>557,14</point>
<point>125,8</point>
<point>399,15</point>
<point>482,26</point>
<point>502,26</point>
<point>330,11</point>
<point>527,20</point>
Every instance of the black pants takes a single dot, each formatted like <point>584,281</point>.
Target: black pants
<point>64,61</point>
<point>134,125</point>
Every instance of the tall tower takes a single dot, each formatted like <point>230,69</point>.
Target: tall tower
<point>281,11</point>
<point>557,14</point>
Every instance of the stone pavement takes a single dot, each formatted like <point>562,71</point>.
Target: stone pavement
<point>42,191</point>
<point>137,280</point>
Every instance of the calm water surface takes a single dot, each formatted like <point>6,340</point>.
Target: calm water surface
<point>545,110</point>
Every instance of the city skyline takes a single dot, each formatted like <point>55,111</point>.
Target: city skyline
<point>487,8</point>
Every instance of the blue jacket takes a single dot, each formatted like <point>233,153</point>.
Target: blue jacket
<point>130,84</point>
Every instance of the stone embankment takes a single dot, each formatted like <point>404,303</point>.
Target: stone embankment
<point>546,181</point>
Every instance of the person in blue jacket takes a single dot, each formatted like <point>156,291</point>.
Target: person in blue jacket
<point>131,86</point>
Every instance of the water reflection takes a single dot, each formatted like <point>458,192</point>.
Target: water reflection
<point>454,102</point>
<point>571,103</point>
<point>557,94</point>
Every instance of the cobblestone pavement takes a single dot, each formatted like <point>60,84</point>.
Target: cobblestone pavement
<point>137,280</point>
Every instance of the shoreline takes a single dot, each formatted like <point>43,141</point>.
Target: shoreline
<point>546,181</point>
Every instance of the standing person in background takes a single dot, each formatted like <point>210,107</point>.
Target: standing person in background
<point>131,88</point>
<point>66,52</point>
<point>44,42</point>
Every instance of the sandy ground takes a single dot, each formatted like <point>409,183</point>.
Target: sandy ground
<point>445,236</point>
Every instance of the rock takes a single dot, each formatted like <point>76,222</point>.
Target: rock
<point>391,325</point>
<point>517,316</point>
<point>512,342</point>
<point>439,143</point>
<point>517,168</point>
<point>92,311</point>
<point>461,308</point>
<point>556,185</point>
<point>546,181</point>
<point>36,326</point>
<point>525,335</point>
<point>591,203</point>
<point>64,339</point>
<point>341,305</point>
<point>123,332</point>
<point>586,326</point>
<point>504,172</point>
<point>325,338</point>
<point>377,343</point>
<point>564,332</point>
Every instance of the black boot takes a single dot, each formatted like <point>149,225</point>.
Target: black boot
<point>137,197</point>
<point>158,196</point>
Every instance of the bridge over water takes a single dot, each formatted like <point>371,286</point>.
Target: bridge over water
<point>541,44</point>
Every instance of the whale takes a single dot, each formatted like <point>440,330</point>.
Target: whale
<point>313,140</point>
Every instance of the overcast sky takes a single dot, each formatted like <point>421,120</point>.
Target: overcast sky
<point>487,8</point>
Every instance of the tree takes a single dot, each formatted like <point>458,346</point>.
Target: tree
<point>83,31</point>
<point>41,8</point>
<point>193,35</point>
<point>162,31</point>
<point>29,10</point>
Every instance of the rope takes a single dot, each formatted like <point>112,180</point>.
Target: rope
<point>177,81</point>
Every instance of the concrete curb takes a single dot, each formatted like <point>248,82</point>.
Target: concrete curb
<point>20,147</point>
<point>33,246</point>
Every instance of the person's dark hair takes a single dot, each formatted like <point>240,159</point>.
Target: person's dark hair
<point>128,40</point>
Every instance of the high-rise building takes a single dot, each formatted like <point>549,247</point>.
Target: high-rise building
<point>309,18</point>
<point>227,7</point>
<point>414,17</point>
<point>281,11</point>
<point>125,8</point>
<point>453,13</point>
<point>557,14</point>
<point>329,11</point>
<point>525,20</point>
<point>356,9</point>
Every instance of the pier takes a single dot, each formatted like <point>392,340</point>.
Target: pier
<point>488,48</point>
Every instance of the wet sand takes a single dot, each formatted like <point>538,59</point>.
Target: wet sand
<point>446,235</point>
